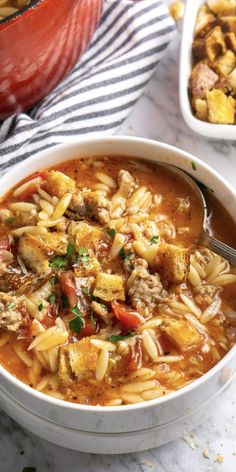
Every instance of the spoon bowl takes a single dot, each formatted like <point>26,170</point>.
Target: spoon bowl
<point>205,239</point>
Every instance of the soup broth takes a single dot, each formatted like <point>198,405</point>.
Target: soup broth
<point>105,297</point>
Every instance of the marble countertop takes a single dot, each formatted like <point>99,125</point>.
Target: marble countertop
<point>156,115</point>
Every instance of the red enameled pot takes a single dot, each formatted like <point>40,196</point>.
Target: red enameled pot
<point>39,45</point>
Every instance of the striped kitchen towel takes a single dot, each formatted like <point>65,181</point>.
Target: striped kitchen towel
<point>100,91</point>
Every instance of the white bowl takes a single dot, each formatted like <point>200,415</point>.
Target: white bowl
<point>132,427</point>
<point>210,130</point>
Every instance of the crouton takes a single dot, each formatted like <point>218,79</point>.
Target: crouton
<point>58,183</point>
<point>222,7</point>
<point>201,109</point>
<point>205,20</point>
<point>34,253</point>
<point>84,234</point>
<point>176,10</point>
<point>232,79</point>
<point>56,242</point>
<point>223,84</point>
<point>230,41</point>
<point>221,108</point>
<point>202,79</point>
<point>199,48</point>
<point>77,360</point>
<point>215,43</point>
<point>173,262</point>
<point>184,335</point>
<point>109,287</point>
<point>225,63</point>
<point>228,24</point>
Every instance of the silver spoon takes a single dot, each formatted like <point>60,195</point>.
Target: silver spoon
<point>205,239</point>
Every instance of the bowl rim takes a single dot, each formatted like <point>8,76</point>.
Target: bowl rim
<point>10,19</point>
<point>210,130</point>
<point>145,404</point>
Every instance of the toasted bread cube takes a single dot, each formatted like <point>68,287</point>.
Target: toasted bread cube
<point>183,334</point>
<point>232,79</point>
<point>202,79</point>
<point>221,108</point>
<point>230,41</point>
<point>173,262</point>
<point>56,241</point>
<point>86,235</point>
<point>109,287</point>
<point>58,184</point>
<point>201,109</point>
<point>176,10</point>
<point>205,21</point>
<point>34,253</point>
<point>228,24</point>
<point>222,7</point>
<point>215,43</point>
<point>226,63</point>
<point>199,48</point>
<point>77,360</point>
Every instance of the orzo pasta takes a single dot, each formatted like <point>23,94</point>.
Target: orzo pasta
<point>105,297</point>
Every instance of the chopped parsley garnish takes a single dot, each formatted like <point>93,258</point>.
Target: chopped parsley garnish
<point>11,305</point>
<point>125,255</point>
<point>77,323</point>
<point>58,262</point>
<point>52,298</point>
<point>64,301</point>
<point>119,337</point>
<point>40,307</point>
<point>131,266</point>
<point>193,164</point>
<point>111,232</point>
<point>70,251</point>
<point>154,239</point>
<point>10,220</point>
<point>83,256</point>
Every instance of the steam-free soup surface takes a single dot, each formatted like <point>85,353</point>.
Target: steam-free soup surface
<point>105,299</point>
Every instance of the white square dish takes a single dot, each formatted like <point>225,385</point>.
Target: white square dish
<point>215,131</point>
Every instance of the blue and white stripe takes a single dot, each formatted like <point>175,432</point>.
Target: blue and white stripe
<point>100,91</point>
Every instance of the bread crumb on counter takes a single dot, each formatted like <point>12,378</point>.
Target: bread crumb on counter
<point>219,458</point>
<point>176,10</point>
<point>206,454</point>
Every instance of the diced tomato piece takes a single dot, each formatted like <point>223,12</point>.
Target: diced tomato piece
<point>89,329</point>
<point>27,194</point>
<point>131,319</point>
<point>42,173</point>
<point>135,358</point>
<point>68,287</point>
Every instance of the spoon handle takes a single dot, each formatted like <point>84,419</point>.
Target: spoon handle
<point>218,247</point>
